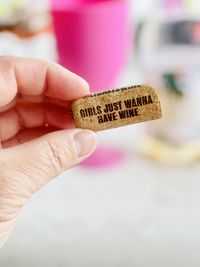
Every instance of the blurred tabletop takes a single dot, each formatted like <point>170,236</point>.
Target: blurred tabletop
<point>139,214</point>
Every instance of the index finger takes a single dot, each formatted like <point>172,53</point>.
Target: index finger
<point>34,77</point>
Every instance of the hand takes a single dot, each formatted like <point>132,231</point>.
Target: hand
<point>37,139</point>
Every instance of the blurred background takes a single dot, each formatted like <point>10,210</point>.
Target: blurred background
<point>136,201</point>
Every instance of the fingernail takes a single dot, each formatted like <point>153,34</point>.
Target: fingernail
<point>85,143</point>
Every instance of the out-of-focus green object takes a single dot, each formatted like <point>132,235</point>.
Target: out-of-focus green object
<point>171,84</point>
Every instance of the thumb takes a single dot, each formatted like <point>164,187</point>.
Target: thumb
<point>36,162</point>
<point>27,167</point>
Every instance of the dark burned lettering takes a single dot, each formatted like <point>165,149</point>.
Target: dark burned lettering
<point>88,112</point>
<point>139,101</point>
<point>107,117</point>
<point>144,100</point>
<point>113,107</point>
<point>115,90</point>
<point>124,114</point>
<point>116,108</point>
<point>149,101</point>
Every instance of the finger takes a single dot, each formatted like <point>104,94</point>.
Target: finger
<point>35,77</point>
<point>9,105</point>
<point>9,125</point>
<point>36,99</point>
<point>36,115</point>
<point>32,116</point>
<point>26,135</point>
<point>46,157</point>
<point>58,102</point>
<point>42,99</point>
<point>8,83</point>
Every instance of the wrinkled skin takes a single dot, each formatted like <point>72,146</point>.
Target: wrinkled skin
<point>38,140</point>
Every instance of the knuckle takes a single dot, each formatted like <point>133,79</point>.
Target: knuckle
<point>59,156</point>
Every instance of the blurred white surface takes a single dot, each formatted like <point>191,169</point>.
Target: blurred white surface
<point>139,214</point>
<point>36,46</point>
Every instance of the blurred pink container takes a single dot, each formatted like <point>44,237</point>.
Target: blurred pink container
<point>92,38</point>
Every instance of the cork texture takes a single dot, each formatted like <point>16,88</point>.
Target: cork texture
<point>115,108</point>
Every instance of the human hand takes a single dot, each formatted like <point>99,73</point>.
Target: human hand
<point>37,139</point>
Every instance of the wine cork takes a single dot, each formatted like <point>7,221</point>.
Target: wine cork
<point>115,108</point>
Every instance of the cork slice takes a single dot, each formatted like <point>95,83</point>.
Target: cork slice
<point>115,108</point>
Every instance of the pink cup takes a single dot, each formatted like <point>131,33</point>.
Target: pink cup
<point>92,38</point>
<point>92,41</point>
